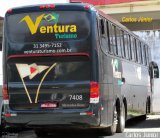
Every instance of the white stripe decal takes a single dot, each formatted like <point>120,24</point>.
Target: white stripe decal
<point>5,101</point>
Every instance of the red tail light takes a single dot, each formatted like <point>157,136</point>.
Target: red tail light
<point>52,6</point>
<point>87,113</point>
<point>87,7</point>
<point>94,89</point>
<point>5,92</point>
<point>42,7</point>
<point>7,115</point>
<point>47,6</point>
<point>9,11</point>
<point>94,92</point>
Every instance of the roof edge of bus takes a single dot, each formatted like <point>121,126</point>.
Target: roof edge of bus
<point>77,5</point>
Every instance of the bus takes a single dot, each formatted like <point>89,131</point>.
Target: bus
<point>1,98</point>
<point>72,66</point>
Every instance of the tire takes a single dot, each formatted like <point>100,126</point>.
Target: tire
<point>2,125</point>
<point>112,129</point>
<point>148,106</point>
<point>144,117</point>
<point>40,133</point>
<point>121,119</point>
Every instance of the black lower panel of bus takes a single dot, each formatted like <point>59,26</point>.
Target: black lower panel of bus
<point>49,82</point>
<point>50,96</point>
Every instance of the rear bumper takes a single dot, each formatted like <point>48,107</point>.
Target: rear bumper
<point>53,119</point>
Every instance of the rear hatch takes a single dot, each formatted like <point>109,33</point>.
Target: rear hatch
<point>49,82</point>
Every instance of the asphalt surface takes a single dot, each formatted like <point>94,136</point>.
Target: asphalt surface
<point>135,128</point>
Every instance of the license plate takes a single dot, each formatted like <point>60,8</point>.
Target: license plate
<point>49,105</point>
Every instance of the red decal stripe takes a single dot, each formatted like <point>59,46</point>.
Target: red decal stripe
<point>45,55</point>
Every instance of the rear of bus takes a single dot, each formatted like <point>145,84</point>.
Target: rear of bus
<point>50,68</point>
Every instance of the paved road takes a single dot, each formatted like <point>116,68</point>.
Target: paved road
<point>135,128</point>
<point>152,124</point>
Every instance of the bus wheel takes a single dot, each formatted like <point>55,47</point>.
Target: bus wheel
<point>2,125</point>
<point>148,106</point>
<point>144,117</point>
<point>112,129</point>
<point>40,133</point>
<point>121,119</point>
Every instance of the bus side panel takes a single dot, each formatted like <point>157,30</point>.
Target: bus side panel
<point>107,91</point>
<point>135,88</point>
<point>1,76</point>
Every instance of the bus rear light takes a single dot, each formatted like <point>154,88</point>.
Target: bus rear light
<point>9,115</point>
<point>94,92</point>
<point>52,6</point>
<point>94,89</point>
<point>47,6</point>
<point>87,113</point>
<point>9,11</point>
<point>87,7</point>
<point>5,92</point>
<point>42,7</point>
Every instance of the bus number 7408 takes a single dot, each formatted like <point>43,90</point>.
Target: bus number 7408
<point>76,97</point>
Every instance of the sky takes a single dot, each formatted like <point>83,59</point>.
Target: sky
<point>8,4</point>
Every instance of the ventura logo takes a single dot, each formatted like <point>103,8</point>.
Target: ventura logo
<point>51,17</point>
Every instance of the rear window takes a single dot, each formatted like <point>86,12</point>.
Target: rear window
<point>48,26</point>
<point>51,68</point>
